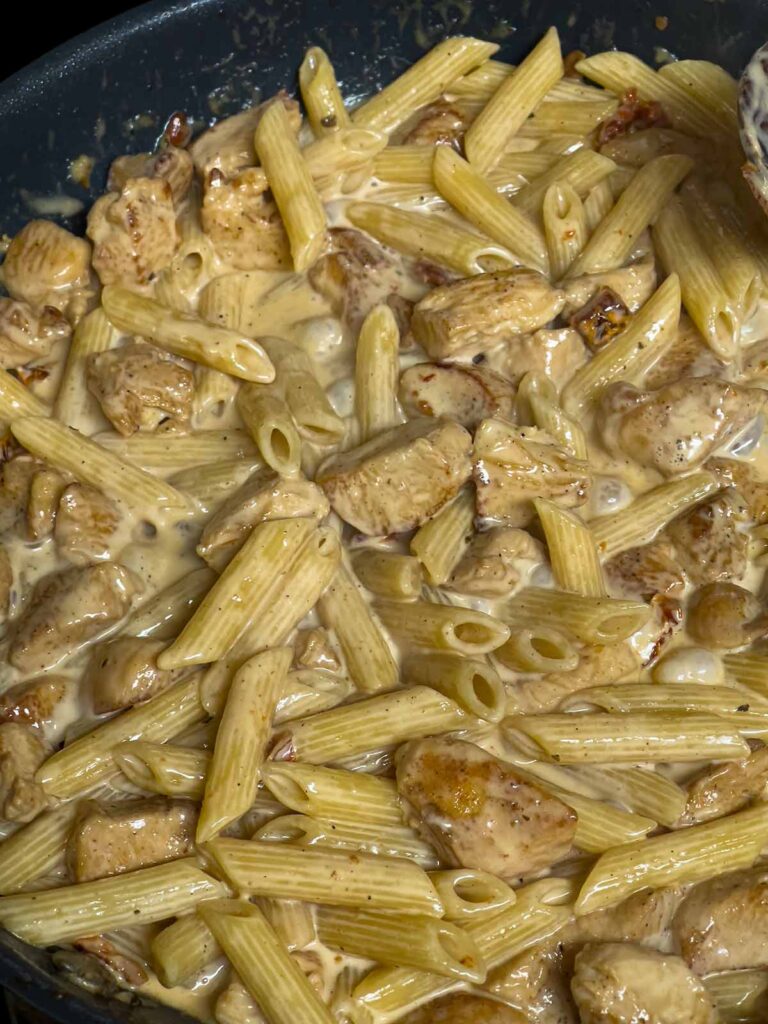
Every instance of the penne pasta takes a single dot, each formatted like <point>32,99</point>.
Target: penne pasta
<point>471,683</point>
<point>440,627</point>
<point>164,768</point>
<point>440,542</point>
<point>271,426</point>
<point>593,620</point>
<point>645,792</point>
<point>320,93</point>
<point>165,613</point>
<point>572,550</point>
<point>75,405</point>
<point>312,413</point>
<point>210,485</point>
<point>183,949</point>
<point>292,920</point>
<point>388,574</point>
<point>165,453</point>
<point>376,373</point>
<point>334,794</point>
<point>34,850</point>
<point>582,171</point>
<point>565,226</point>
<point>468,892</point>
<point>536,647</point>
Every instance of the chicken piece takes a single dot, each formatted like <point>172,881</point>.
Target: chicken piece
<point>722,615</point>
<point>243,222</point>
<point>400,478</point>
<point>228,145</point>
<point>312,648</point>
<point>21,754</point>
<point>477,812</point>
<point>171,164</point>
<point>742,476</point>
<point>722,924</point>
<point>514,465</point>
<point>86,521</point>
<point>136,378</point>
<point>689,355</point>
<point>45,263</point>
<point>724,788</point>
<point>125,970</point>
<point>26,335</point>
<point>601,319</point>
<point>265,495</point>
<point>707,540</point>
<point>643,572</point>
<point>493,562</point>
<point>461,1008</point>
<point>479,312</point>
<point>133,232</point>
<point>634,285</point>
<point>66,610</point>
<point>15,479</point>
<point>109,841</point>
<point>440,122</point>
<point>558,353</point>
<point>44,491</point>
<point>36,701</point>
<point>123,672</point>
<point>674,429</point>
<point>597,666</point>
<point>621,983</point>
<point>467,394</point>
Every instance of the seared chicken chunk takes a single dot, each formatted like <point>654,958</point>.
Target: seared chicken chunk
<point>172,164</point>
<point>136,382</point>
<point>228,145</point>
<point>112,840</point>
<point>707,540</point>
<point>400,478</point>
<point>643,572</point>
<point>725,788</point>
<point>558,353</point>
<point>479,312</point>
<point>493,562</point>
<point>440,122</point>
<point>742,476</point>
<point>44,491</point>
<point>133,232</point>
<point>634,285</point>
<point>722,924</point>
<point>243,223</point>
<point>15,479</point>
<point>514,465</point>
<point>35,701</point>
<point>619,983</point>
<point>468,394</point>
<point>124,671</point>
<point>123,968</point>
<point>689,355</point>
<point>26,335</point>
<point>265,495</point>
<point>45,263</point>
<point>21,754</point>
<point>597,666</point>
<point>66,610</point>
<point>460,1008</point>
<point>477,812</point>
<point>86,521</point>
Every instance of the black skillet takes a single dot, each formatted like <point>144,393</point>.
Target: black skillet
<point>110,90</point>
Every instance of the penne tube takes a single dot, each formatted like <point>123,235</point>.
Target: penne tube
<point>707,85</point>
<point>597,203</point>
<point>716,700</point>
<point>164,768</point>
<point>377,360</point>
<point>593,620</point>
<point>387,574</point>
<point>582,171</point>
<point>292,920</point>
<point>213,392</point>
<point>411,165</point>
<point>515,99</point>
<point>645,792</point>
<point>335,877</point>
<point>422,83</point>
<point>535,647</point>
<point>738,995</point>
<point>34,850</point>
<point>382,840</point>
<point>320,93</point>
<point>572,550</point>
<point>54,916</point>
<point>628,738</point>
<point>248,586</point>
<point>183,949</point>
<point>164,614</point>
<point>471,683</point>
<point>209,486</point>
<point>565,226</point>
<point>271,426</point>
<point>748,669</point>
<point>342,153</point>
<point>569,434</point>
<point>677,858</point>
<point>683,252</point>
<point>166,453</point>
<point>233,775</point>
<point>273,978</point>
<point>291,184</point>
<point>429,237</point>
<point>334,794</point>
<point>343,609</point>
<point>89,463</point>
<point>16,400</point>
<point>648,335</point>
<point>421,942</point>
<point>439,627</point>
<point>478,202</point>
<point>187,336</point>
<point>309,690</point>
<point>601,826</point>
<point>440,542</point>
<point>369,724</point>
<point>650,513</point>
<point>90,758</point>
<point>637,207</point>
<point>313,414</point>
<point>469,892</point>
<point>74,404</point>
<point>566,116</point>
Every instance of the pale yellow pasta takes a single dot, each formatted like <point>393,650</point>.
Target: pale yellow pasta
<point>468,892</point>
<point>423,624</point>
<point>306,691</point>
<point>575,117</point>
<point>292,920</point>
<point>341,157</point>
<point>388,574</point>
<point>440,542</point>
<point>537,647</point>
<point>312,413</point>
<point>210,485</point>
<point>597,203</point>
<point>645,792</point>
<point>34,850</point>
<point>739,995</point>
<point>568,433</point>
<point>471,683</point>
<point>169,453</point>
<point>593,620</point>
<point>164,768</point>
<point>166,612</point>
<point>718,700</point>
<point>377,362</point>
<point>320,92</point>
<point>565,226</point>
<point>333,793</point>
<point>74,404</point>
<point>572,550</point>
<point>182,949</point>
<point>708,85</point>
<point>272,428</point>
<point>291,184</point>
<point>582,171</point>
<point>748,669</point>
<point>411,165</point>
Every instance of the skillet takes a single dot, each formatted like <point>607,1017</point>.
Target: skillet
<point>110,90</point>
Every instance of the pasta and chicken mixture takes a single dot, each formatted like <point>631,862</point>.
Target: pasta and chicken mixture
<point>384,512</point>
